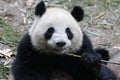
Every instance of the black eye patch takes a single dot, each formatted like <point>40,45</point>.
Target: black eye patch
<point>69,33</point>
<point>48,34</point>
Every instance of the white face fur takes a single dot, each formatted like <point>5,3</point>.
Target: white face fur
<point>57,20</point>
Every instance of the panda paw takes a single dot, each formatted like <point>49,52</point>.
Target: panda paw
<point>108,77</point>
<point>90,58</point>
<point>106,74</point>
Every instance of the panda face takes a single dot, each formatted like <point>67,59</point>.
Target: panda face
<point>58,39</point>
<point>56,31</point>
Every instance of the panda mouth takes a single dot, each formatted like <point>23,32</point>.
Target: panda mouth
<point>58,49</point>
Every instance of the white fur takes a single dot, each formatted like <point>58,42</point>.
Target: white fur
<point>59,19</point>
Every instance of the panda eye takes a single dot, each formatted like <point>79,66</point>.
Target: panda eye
<point>50,30</point>
<point>69,33</point>
<point>48,34</point>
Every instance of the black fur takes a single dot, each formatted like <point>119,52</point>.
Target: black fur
<point>88,55</point>
<point>104,53</point>
<point>40,9</point>
<point>69,33</point>
<point>48,34</point>
<point>78,13</point>
<point>106,74</point>
<point>31,64</point>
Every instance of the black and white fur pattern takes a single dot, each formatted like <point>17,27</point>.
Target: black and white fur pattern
<point>42,53</point>
<point>53,18</point>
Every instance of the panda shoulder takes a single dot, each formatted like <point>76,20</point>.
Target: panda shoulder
<point>25,44</point>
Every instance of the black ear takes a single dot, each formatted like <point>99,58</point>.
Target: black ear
<point>78,13</point>
<point>40,9</point>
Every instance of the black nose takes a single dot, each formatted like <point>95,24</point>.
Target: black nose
<point>60,44</point>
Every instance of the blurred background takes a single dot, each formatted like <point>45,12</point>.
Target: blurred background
<point>101,23</point>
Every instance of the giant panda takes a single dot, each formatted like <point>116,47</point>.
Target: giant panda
<point>115,67</point>
<point>43,53</point>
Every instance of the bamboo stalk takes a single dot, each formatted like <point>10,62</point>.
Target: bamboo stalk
<point>111,62</point>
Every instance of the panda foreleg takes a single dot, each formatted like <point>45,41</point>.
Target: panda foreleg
<point>25,66</point>
<point>104,73</point>
<point>88,54</point>
<point>29,76</point>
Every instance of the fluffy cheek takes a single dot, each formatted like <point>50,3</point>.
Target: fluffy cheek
<point>51,43</point>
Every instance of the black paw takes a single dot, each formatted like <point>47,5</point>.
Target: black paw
<point>90,58</point>
<point>103,52</point>
<point>106,74</point>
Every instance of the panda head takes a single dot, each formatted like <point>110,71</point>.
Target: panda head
<point>56,30</point>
